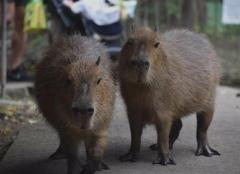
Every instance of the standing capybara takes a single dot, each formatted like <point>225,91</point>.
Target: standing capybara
<point>75,92</point>
<point>163,78</point>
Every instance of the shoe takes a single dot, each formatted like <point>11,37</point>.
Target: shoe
<point>19,74</point>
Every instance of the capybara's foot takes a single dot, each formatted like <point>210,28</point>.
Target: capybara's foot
<point>57,155</point>
<point>164,159</point>
<point>103,166</point>
<point>153,147</point>
<point>91,168</point>
<point>206,150</point>
<point>88,169</point>
<point>129,157</point>
<point>174,134</point>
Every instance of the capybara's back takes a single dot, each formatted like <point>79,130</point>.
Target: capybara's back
<point>75,92</point>
<point>164,77</point>
<point>193,67</point>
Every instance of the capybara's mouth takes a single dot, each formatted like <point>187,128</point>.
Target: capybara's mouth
<point>82,123</point>
<point>82,126</point>
<point>85,125</point>
<point>141,77</point>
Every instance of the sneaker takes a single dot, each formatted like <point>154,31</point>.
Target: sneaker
<point>18,74</point>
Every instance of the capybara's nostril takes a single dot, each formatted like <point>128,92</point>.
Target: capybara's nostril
<point>90,111</point>
<point>140,63</point>
<point>87,111</point>
<point>76,110</point>
<point>134,62</point>
<point>146,64</point>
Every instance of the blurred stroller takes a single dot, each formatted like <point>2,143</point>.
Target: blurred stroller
<point>99,19</point>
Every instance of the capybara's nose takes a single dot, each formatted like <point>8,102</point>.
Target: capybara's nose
<point>83,111</point>
<point>141,63</point>
<point>87,112</point>
<point>75,110</point>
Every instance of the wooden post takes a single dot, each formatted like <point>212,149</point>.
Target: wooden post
<point>3,72</point>
<point>145,13</point>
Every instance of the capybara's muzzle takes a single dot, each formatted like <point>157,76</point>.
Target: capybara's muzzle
<point>140,63</point>
<point>83,112</point>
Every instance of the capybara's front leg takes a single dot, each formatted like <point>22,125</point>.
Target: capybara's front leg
<point>73,165</point>
<point>163,130</point>
<point>174,134</point>
<point>95,150</point>
<point>136,128</point>
<point>72,157</point>
<point>203,121</point>
<point>59,153</point>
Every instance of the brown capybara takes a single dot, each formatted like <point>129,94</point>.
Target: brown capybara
<point>75,92</point>
<point>163,78</point>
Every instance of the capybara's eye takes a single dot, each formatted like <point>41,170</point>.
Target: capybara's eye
<point>99,80</point>
<point>129,43</point>
<point>68,82</point>
<point>156,44</point>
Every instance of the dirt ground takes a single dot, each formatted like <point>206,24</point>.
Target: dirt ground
<point>13,115</point>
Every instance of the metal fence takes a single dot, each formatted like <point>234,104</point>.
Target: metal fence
<point>3,59</point>
<point>148,13</point>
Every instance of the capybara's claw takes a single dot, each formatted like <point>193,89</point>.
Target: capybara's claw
<point>206,150</point>
<point>103,166</point>
<point>87,170</point>
<point>153,147</point>
<point>92,168</point>
<point>164,160</point>
<point>129,157</point>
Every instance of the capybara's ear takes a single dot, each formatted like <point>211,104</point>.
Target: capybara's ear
<point>98,60</point>
<point>131,29</point>
<point>155,29</point>
<point>68,61</point>
<point>156,44</point>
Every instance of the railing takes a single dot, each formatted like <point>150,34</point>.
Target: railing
<point>3,60</point>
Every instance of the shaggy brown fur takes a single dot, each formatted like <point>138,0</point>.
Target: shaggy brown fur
<point>75,92</point>
<point>164,78</point>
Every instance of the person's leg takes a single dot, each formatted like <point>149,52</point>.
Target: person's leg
<point>15,70</point>
<point>10,11</point>
<point>18,38</point>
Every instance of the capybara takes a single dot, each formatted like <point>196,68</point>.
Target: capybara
<point>163,78</point>
<point>75,92</point>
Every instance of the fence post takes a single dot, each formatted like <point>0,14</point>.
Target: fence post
<point>4,48</point>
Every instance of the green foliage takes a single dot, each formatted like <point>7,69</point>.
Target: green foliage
<point>173,8</point>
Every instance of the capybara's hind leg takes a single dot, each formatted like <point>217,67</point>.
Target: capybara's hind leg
<point>203,121</point>
<point>174,134</point>
<point>136,133</point>
<point>175,131</point>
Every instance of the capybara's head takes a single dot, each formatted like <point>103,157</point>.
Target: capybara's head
<point>140,56</point>
<point>81,81</point>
